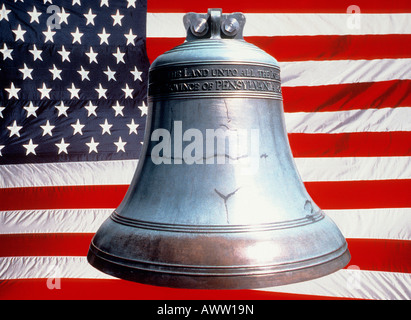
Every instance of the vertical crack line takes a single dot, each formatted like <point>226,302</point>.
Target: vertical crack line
<point>226,111</point>
<point>225,198</point>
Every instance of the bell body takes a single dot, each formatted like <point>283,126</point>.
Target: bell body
<point>205,208</point>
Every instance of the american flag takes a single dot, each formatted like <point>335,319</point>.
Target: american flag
<point>73,110</point>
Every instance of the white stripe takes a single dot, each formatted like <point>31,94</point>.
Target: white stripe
<point>52,221</point>
<point>368,120</point>
<point>381,223</point>
<point>96,173</point>
<point>170,25</point>
<point>328,72</point>
<point>349,283</point>
<point>354,283</point>
<point>354,169</point>
<point>48,267</point>
<point>66,174</point>
<point>389,224</point>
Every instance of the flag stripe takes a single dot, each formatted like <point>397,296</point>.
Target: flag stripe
<point>379,255</point>
<point>327,194</point>
<point>356,224</point>
<point>55,174</point>
<point>103,289</point>
<point>354,47</point>
<point>354,169</point>
<point>53,221</point>
<point>355,144</point>
<point>350,283</point>
<point>310,169</point>
<point>361,194</point>
<point>314,6</point>
<point>348,96</point>
<point>370,120</point>
<point>328,72</point>
<point>168,25</point>
<point>313,47</point>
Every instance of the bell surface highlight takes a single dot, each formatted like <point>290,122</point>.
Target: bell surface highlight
<point>216,201</point>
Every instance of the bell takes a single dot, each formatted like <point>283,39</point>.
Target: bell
<point>216,201</point>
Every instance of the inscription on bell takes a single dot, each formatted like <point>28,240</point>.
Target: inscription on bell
<point>215,78</point>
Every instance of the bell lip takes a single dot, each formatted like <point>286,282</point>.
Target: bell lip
<point>288,273</point>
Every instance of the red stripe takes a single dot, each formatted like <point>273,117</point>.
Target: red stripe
<point>328,195</point>
<point>356,144</point>
<point>62,197</point>
<point>45,244</point>
<point>361,194</point>
<point>349,96</point>
<point>301,48</point>
<point>380,255</point>
<point>97,289</point>
<point>348,47</point>
<point>367,254</point>
<point>297,6</point>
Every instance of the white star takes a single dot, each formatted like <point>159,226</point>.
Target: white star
<point>49,34</point>
<point>119,56</point>
<point>6,52</point>
<point>14,129</point>
<point>84,74</point>
<point>92,145</point>
<point>91,109</point>
<point>46,1</point>
<point>90,17</point>
<point>128,92</point>
<point>136,74</point>
<point>30,147</point>
<point>101,92</point>
<point>62,146</point>
<point>104,2</point>
<point>131,3</point>
<point>62,109</point>
<point>31,110</point>
<point>34,15</point>
<point>118,109</point>
<point>13,91</point>
<point>120,145</point>
<point>47,128</point>
<point>36,53</point>
<point>4,13</point>
<point>44,91</point>
<point>78,127</point>
<point>26,72</point>
<point>117,18</point>
<point>106,127</point>
<point>56,72</point>
<point>77,36</point>
<point>1,111</point>
<point>73,91</point>
<point>133,127</point>
<point>19,33</point>
<point>130,37</point>
<point>103,36</point>
<point>1,147</point>
<point>76,2</point>
<point>63,16</point>
<point>92,56</point>
<point>143,109</point>
<point>110,74</point>
<point>64,54</point>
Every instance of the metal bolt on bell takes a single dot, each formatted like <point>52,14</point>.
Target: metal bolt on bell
<point>216,201</point>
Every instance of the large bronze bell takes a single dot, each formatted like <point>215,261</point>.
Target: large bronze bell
<point>216,201</point>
